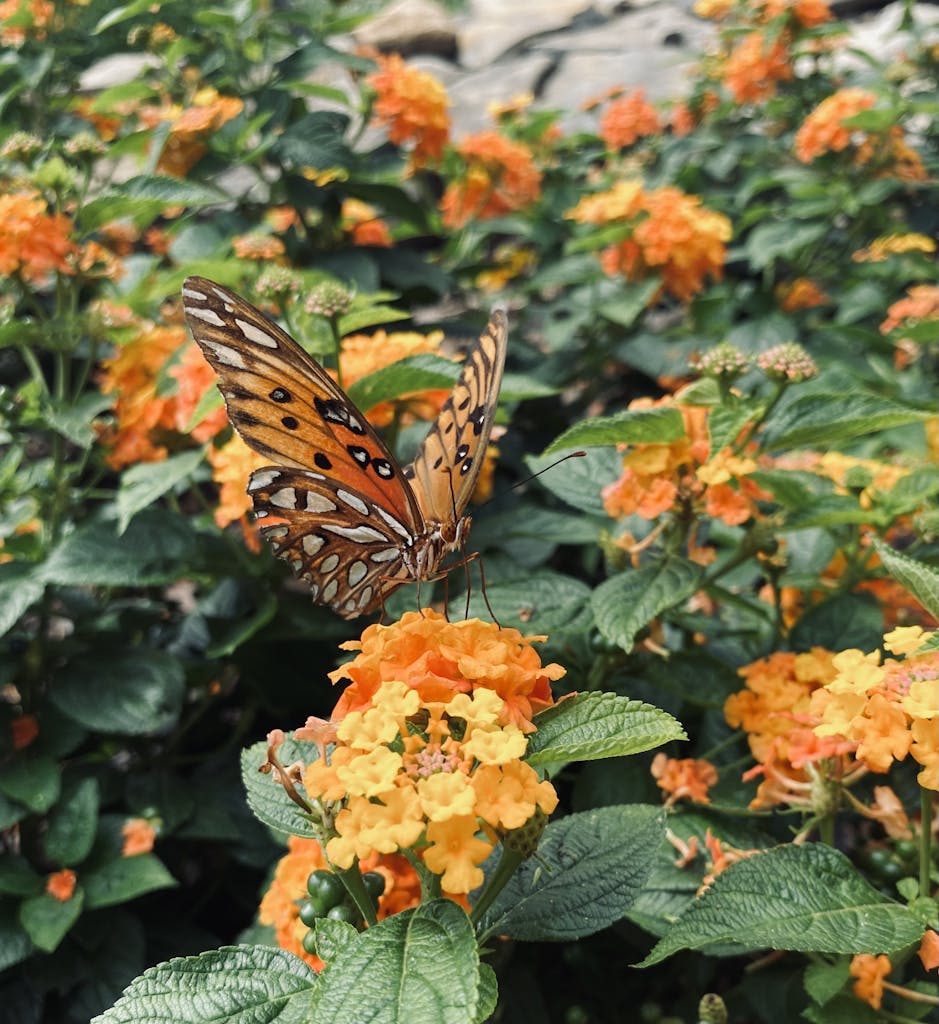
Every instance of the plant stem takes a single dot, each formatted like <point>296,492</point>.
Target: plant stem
<point>355,886</point>
<point>925,839</point>
<point>495,883</point>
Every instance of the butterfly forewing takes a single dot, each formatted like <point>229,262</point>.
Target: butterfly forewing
<point>348,549</point>
<point>285,406</point>
<point>446,467</point>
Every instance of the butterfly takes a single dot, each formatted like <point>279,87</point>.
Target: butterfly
<point>350,521</point>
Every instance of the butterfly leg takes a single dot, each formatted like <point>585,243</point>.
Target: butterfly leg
<point>482,581</point>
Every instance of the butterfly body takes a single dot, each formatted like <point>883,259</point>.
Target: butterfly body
<point>335,504</point>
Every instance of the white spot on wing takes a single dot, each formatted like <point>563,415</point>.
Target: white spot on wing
<point>398,528</point>
<point>365,597</point>
<point>362,534</point>
<point>318,502</point>
<point>353,501</point>
<point>286,497</point>
<point>209,316</point>
<point>254,333</point>
<point>385,556</point>
<point>329,563</point>
<point>357,573</point>
<point>311,543</point>
<point>191,293</point>
<point>329,591</point>
<point>226,355</point>
<point>262,478</point>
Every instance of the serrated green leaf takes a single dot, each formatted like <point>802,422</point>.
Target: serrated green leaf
<point>419,965</point>
<point>539,602</point>
<point>517,387</point>
<point>580,482</point>
<point>124,879</point>
<point>72,824</point>
<point>921,580</point>
<point>370,316</point>
<point>772,239</point>
<point>725,423</point>
<point>488,993</point>
<point>143,483</point>
<point>47,920</point>
<point>824,981</point>
<point>638,426</point>
<point>627,309</point>
<point>266,797</point>
<point>626,603</point>
<point>590,868</point>
<point>802,898</point>
<point>74,422</point>
<point>409,376</point>
<point>333,937</point>
<point>15,944</point>
<point>825,419</point>
<point>145,197</point>
<point>32,780</point>
<point>234,985</point>
<point>136,691</point>
<point>17,878</point>
<point>594,725</point>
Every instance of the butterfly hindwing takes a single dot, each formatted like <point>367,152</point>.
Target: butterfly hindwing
<point>285,406</point>
<point>348,549</point>
<point>446,467</point>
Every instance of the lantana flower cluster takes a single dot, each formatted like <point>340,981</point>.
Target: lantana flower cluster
<point>670,234</point>
<point>426,748</point>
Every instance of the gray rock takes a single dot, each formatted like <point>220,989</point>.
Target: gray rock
<point>408,27</point>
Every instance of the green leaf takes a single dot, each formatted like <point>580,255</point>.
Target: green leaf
<point>118,14</point>
<point>590,868</point>
<point>627,309</point>
<point>238,631</point>
<point>419,965</point>
<point>580,482</point>
<point>922,581</point>
<point>369,316</point>
<point>825,419</point>
<point>626,603</point>
<point>234,985</point>
<point>34,781</point>
<point>143,483</point>
<point>517,387</point>
<point>74,422</point>
<point>843,621</point>
<point>539,602</point>
<point>594,725</point>
<point>124,879</point>
<point>772,239</point>
<point>156,548</point>
<point>20,588</point>
<point>137,690</point>
<point>15,944</point>
<point>266,797</point>
<point>725,423</point>
<point>488,993</point>
<point>46,920</point>
<point>639,426</point>
<point>423,372</point>
<point>17,878</point>
<point>73,823</point>
<point>333,938</point>
<point>824,981</point>
<point>804,898</point>
<point>144,198</point>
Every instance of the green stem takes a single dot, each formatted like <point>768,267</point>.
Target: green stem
<point>355,886</point>
<point>925,839</point>
<point>826,829</point>
<point>495,883</point>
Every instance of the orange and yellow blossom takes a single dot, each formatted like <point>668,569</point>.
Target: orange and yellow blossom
<point>22,18</point>
<point>870,972</point>
<point>442,775</point>
<point>194,377</point>
<point>673,235</point>
<point>413,105</point>
<point>885,246</point>
<point>190,128</point>
<point>499,176</point>
<point>627,119</point>
<point>921,303</point>
<point>232,465</point>
<point>33,242</point>
<point>802,293</point>
<point>438,658</point>
<point>362,222</point>
<point>280,906</point>
<point>824,130</point>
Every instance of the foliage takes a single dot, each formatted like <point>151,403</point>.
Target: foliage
<point>728,301</point>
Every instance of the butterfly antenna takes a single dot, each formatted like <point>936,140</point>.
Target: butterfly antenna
<point>528,479</point>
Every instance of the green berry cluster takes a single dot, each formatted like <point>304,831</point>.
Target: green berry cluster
<point>329,898</point>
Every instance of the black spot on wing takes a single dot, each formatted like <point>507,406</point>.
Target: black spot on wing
<point>322,461</point>
<point>280,395</point>
<point>290,422</point>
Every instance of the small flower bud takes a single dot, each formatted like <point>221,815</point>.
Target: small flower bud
<point>787,362</point>
<point>330,298</point>
<point>524,840</point>
<point>724,360</point>
<point>21,146</point>
<point>85,145</point>
<point>278,283</point>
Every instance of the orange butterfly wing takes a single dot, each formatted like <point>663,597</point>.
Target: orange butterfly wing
<point>447,465</point>
<point>340,510</point>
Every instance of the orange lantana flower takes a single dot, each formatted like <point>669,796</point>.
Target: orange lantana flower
<point>921,303</point>
<point>500,176</point>
<point>61,884</point>
<point>439,658</point>
<point>755,66</point>
<point>258,246</point>
<point>627,119</point>
<point>413,104</point>
<point>33,242</point>
<point>362,222</point>
<point>194,377</point>
<point>280,906</point>
<point>139,837</point>
<point>22,18</point>
<point>190,128</point>
<point>689,777</point>
<point>824,130</point>
<point>232,465</point>
<point>870,972</point>
<point>23,730</point>
<point>802,293</point>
